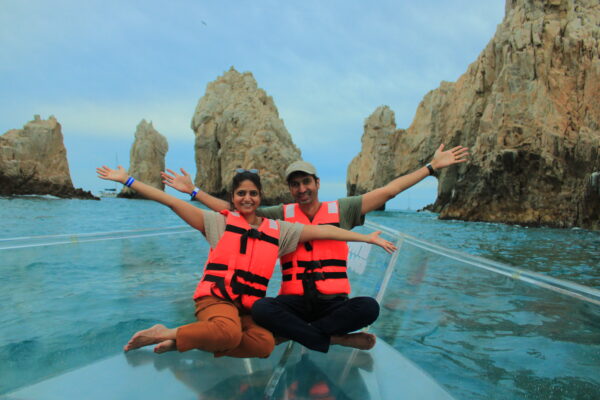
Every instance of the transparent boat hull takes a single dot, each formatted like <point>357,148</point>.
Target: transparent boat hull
<point>451,326</point>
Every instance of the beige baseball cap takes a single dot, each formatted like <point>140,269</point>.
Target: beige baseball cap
<point>300,166</point>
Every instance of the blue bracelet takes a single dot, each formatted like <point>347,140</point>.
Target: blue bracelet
<point>129,181</point>
<point>194,193</point>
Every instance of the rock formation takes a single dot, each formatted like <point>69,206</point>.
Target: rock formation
<point>147,158</point>
<point>33,160</point>
<point>237,126</point>
<point>529,109</point>
<point>375,166</point>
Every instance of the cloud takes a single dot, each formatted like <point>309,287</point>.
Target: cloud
<point>119,119</point>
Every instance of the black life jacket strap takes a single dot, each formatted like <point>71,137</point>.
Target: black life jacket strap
<point>220,284</point>
<point>315,276</point>
<point>236,286</point>
<point>215,267</point>
<point>250,277</point>
<point>315,264</point>
<point>250,233</point>
<point>320,276</point>
<point>322,263</point>
<point>243,289</point>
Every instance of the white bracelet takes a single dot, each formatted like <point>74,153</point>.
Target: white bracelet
<point>194,193</point>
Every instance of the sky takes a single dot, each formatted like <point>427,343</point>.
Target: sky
<point>100,67</point>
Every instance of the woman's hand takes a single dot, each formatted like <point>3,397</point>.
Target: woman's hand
<point>117,175</point>
<point>386,245</point>
<point>182,183</point>
<point>442,159</point>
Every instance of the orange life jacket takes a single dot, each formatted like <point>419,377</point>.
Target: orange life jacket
<point>238,269</point>
<point>320,261</point>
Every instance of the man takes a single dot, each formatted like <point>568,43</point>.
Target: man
<point>313,307</point>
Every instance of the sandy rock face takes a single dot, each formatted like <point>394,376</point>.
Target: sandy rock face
<point>147,158</point>
<point>529,109</point>
<point>33,160</point>
<point>237,126</point>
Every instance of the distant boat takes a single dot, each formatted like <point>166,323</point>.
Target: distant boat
<point>111,192</point>
<point>108,192</point>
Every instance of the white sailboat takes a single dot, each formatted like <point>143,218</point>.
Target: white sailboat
<point>108,192</point>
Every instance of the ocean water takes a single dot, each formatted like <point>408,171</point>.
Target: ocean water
<point>570,254</point>
<point>67,305</point>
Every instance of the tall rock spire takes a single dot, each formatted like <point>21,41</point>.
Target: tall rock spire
<point>375,165</point>
<point>147,158</point>
<point>237,126</point>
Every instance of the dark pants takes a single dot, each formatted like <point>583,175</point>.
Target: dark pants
<point>313,323</point>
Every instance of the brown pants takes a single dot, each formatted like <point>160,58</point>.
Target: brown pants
<point>223,330</point>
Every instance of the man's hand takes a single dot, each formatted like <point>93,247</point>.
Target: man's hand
<point>117,175</point>
<point>183,182</point>
<point>442,159</point>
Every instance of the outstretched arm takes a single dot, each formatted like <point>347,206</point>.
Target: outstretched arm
<point>374,199</point>
<point>190,214</point>
<point>317,232</point>
<point>184,184</point>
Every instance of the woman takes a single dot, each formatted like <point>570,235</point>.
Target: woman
<point>244,249</point>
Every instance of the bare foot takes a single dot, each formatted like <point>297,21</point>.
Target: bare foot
<point>360,340</point>
<point>158,333</point>
<point>167,345</point>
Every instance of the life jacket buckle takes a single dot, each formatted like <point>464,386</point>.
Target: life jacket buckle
<point>314,265</point>
<point>253,233</point>
<point>250,233</point>
<point>317,276</point>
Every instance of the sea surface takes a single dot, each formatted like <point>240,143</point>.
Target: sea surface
<point>73,291</point>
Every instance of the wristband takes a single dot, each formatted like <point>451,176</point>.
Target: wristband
<point>431,170</point>
<point>129,181</point>
<point>194,193</point>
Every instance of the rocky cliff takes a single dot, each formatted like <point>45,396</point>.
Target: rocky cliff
<point>147,158</point>
<point>529,109</point>
<point>237,126</point>
<point>33,160</point>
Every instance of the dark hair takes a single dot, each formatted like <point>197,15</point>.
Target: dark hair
<point>245,176</point>
<point>300,174</point>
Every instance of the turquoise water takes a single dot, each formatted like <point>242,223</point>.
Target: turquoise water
<point>75,303</point>
<point>570,254</point>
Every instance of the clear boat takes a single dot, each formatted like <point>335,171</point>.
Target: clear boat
<point>452,326</point>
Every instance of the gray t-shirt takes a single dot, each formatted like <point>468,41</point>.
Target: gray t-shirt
<point>289,234</point>
<point>350,212</point>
